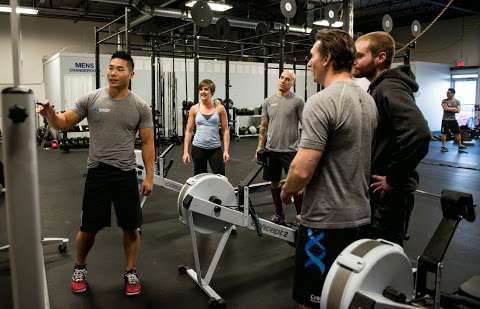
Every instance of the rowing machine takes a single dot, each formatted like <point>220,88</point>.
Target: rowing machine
<point>378,274</point>
<point>208,203</point>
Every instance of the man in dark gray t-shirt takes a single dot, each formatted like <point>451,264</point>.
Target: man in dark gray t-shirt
<point>115,115</point>
<point>451,106</point>
<point>279,135</point>
<point>332,165</point>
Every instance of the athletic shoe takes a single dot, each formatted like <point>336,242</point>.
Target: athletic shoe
<point>444,149</point>
<point>79,280</point>
<point>132,283</point>
<point>278,219</point>
<point>461,150</point>
<point>293,225</point>
<point>462,147</point>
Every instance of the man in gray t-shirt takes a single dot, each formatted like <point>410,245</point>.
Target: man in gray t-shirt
<point>332,165</point>
<point>279,135</point>
<point>451,106</point>
<point>115,115</point>
<point>113,124</point>
<point>339,123</point>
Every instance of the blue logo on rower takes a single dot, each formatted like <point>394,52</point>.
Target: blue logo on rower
<point>315,250</point>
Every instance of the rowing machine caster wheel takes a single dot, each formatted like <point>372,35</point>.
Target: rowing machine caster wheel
<point>217,304</point>
<point>182,270</point>
<point>62,248</point>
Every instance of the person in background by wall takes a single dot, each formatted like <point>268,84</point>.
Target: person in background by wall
<point>206,117</point>
<point>451,106</point>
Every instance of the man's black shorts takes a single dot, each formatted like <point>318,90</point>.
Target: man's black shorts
<point>450,127</point>
<point>105,185</point>
<point>316,250</point>
<point>276,162</point>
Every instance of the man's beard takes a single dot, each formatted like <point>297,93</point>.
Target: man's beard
<point>368,71</point>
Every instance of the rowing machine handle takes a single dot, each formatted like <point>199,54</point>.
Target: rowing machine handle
<point>256,222</point>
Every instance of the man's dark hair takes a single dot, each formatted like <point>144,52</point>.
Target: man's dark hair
<point>125,56</point>
<point>452,90</point>
<point>339,45</point>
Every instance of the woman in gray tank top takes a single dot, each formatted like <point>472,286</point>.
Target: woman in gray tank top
<point>205,118</point>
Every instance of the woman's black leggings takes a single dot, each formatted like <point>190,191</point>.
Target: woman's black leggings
<point>214,157</point>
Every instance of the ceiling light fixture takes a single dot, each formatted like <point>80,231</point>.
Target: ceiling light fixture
<point>337,24</point>
<point>20,10</point>
<point>300,29</point>
<point>322,22</point>
<point>215,6</point>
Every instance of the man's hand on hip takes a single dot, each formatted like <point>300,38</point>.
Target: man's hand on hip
<point>380,185</point>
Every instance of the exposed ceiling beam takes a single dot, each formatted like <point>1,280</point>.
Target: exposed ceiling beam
<point>79,13</point>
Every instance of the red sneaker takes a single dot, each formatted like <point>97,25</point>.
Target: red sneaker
<point>79,280</point>
<point>132,283</point>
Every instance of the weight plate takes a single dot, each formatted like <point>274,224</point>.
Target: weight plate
<point>387,23</point>
<point>261,28</point>
<point>288,8</point>
<point>331,13</point>
<point>222,28</point>
<point>201,14</point>
<point>416,28</point>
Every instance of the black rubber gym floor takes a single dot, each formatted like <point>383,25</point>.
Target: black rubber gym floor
<point>253,272</point>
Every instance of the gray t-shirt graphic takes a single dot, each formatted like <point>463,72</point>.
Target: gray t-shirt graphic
<point>340,121</point>
<point>113,125</point>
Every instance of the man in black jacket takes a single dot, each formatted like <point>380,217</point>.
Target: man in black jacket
<point>401,140</point>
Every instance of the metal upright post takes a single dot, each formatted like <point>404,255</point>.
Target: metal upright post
<point>347,7</point>
<point>227,76</point>
<point>127,28</point>
<point>196,61</point>
<point>127,42</point>
<point>295,72</point>
<point>265,73</point>
<point>282,50</point>
<point>29,282</point>
<point>97,58</point>
<point>306,76</point>
<point>153,99</point>
<point>406,57</point>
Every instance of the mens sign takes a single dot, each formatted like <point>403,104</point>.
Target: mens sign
<point>82,67</point>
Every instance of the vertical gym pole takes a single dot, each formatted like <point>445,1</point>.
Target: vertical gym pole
<point>29,282</point>
<point>196,60</point>
<point>347,8</point>
<point>281,64</point>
